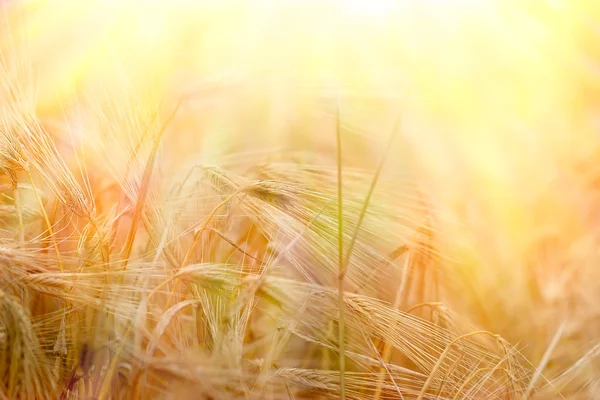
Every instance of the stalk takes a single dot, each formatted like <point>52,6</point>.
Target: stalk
<point>342,269</point>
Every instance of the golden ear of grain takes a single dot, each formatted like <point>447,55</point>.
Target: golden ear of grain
<point>26,371</point>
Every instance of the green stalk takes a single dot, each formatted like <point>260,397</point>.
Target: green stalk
<point>342,269</point>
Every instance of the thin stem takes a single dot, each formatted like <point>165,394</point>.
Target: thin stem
<point>544,360</point>
<point>342,269</point>
<point>19,212</point>
<point>387,351</point>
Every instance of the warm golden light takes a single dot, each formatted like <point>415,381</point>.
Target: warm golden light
<point>370,9</point>
<point>157,156</point>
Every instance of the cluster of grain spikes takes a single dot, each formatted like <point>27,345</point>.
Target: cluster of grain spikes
<point>230,314</point>
<point>23,366</point>
<point>220,283</point>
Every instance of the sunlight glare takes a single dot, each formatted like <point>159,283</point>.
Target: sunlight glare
<point>376,9</point>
